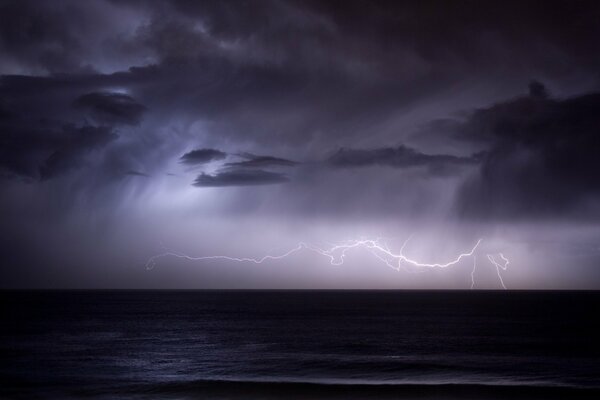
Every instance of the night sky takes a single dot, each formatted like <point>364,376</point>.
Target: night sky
<point>243,128</point>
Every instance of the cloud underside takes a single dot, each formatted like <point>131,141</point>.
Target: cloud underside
<point>543,157</point>
<point>113,108</point>
<point>241,173</point>
<point>42,138</point>
<point>44,150</point>
<point>137,173</point>
<point>396,157</point>
<point>299,79</point>
<point>240,177</point>
<point>202,156</point>
<point>254,161</point>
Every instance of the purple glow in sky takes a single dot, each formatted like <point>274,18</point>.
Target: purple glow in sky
<point>242,129</point>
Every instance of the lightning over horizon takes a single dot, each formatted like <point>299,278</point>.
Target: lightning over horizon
<point>319,199</point>
<point>337,254</point>
<point>499,266</point>
<point>264,127</point>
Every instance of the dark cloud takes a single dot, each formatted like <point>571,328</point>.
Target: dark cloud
<point>42,149</point>
<point>137,173</point>
<point>543,157</point>
<point>391,37</point>
<point>202,156</point>
<point>76,143</point>
<point>29,34</point>
<point>296,78</point>
<point>67,36</point>
<point>42,135</point>
<point>240,177</point>
<point>254,161</point>
<point>396,157</point>
<point>112,108</point>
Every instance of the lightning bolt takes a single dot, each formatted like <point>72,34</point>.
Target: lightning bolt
<point>473,272</point>
<point>337,254</point>
<point>499,266</point>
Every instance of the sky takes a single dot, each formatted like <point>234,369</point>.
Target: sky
<point>131,129</point>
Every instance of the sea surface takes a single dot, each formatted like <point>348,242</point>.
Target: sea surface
<point>299,344</point>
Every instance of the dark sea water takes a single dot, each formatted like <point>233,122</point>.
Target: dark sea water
<point>299,344</point>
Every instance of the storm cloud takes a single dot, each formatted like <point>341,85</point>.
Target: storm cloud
<point>254,161</point>
<point>202,156</point>
<point>396,157</point>
<point>42,149</point>
<point>543,156</point>
<point>111,107</point>
<point>313,114</point>
<point>240,177</point>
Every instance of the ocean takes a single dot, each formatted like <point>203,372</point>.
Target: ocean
<point>299,344</point>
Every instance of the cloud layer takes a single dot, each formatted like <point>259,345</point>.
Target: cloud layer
<point>542,158</point>
<point>347,112</point>
<point>240,177</point>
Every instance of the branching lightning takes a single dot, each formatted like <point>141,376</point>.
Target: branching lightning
<point>337,253</point>
<point>499,266</point>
